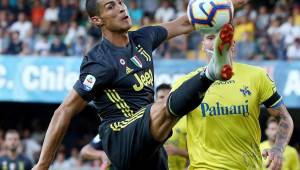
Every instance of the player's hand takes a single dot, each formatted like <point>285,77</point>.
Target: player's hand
<point>239,3</point>
<point>104,165</point>
<point>275,158</point>
<point>171,149</point>
<point>105,161</point>
<point>103,157</point>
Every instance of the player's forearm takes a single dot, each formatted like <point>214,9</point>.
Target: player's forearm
<point>90,153</point>
<point>285,130</point>
<point>178,27</point>
<point>56,130</point>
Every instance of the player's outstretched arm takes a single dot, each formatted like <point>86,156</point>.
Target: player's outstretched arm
<point>59,124</point>
<point>182,24</point>
<point>283,136</point>
<point>90,153</point>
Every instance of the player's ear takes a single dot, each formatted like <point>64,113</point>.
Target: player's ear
<point>97,20</point>
<point>267,132</point>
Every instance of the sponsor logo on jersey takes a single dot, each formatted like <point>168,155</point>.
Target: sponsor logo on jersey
<point>219,110</point>
<point>89,82</point>
<point>145,79</point>
<point>245,91</point>
<point>136,61</point>
<point>128,70</point>
<point>218,83</point>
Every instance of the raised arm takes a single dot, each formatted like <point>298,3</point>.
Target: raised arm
<point>58,126</point>
<point>182,24</point>
<point>283,136</point>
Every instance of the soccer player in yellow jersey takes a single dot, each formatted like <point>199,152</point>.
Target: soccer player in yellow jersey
<point>223,132</point>
<point>290,155</point>
<point>176,144</point>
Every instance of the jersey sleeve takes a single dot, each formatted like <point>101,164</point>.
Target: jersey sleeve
<point>154,34</point>
<point>268,94</point>
<point>93,76</point>
<point>96,143</point>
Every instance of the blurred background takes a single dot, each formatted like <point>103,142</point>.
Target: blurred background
<point>42,43</point>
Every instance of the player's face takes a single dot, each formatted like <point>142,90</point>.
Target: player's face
<point>114,15</point>
<point>208,44</point>
<point>272,130</point>
<point>162,95</point>
<point>12,141</point>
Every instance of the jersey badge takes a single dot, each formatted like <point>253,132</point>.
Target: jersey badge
<point>136,61</point>
<point>122,61</point>
<point>245,91</point>
<point>89,82</point>
<point>128,70</point>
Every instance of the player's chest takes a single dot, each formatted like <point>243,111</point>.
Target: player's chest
<point>236,97</point>
<point>135,69</point>
<point>239,88</point>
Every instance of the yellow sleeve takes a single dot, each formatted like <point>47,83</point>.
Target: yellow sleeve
<point>294,163</point>
<point>267,89</point>
<point>185,78</point>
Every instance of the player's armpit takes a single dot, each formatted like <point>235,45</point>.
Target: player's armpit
<point>286,126</point>
<point>59,124</point>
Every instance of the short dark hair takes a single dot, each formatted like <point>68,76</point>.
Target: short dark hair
<point>92,7</point>
<point>163,86</point>
<point>272,120</point>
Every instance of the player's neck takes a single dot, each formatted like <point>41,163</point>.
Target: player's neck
<point>271,142</point>
<point>12,155</point>
<point>117,39</point>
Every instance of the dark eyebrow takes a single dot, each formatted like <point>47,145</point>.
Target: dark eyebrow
<point>110,2</point>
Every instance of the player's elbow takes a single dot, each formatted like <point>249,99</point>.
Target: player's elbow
<point>61,117</point>
<point>84,153</point>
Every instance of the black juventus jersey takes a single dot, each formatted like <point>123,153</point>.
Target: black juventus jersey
<point>20,163</point>
<point>120,80</point>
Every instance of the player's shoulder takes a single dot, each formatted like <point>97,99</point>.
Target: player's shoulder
<point>96,53</point>
<point>99,58</point>
<point>291,150</point>
<point>146,30</point>
<point>250,69</point>
<point>3,158</point>
<point>23,157</point>
<point>186,77</point>
<point>265,144</point>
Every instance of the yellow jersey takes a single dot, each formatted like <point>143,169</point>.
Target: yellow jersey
<point>178,139</point>
<point>224,132</point>
<point>290,157</point>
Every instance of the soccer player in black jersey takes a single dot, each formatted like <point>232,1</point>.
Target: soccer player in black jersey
<point>12,159</point>
<point>117,75</point>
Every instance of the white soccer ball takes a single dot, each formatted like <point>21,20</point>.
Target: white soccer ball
<point>208,16</point>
